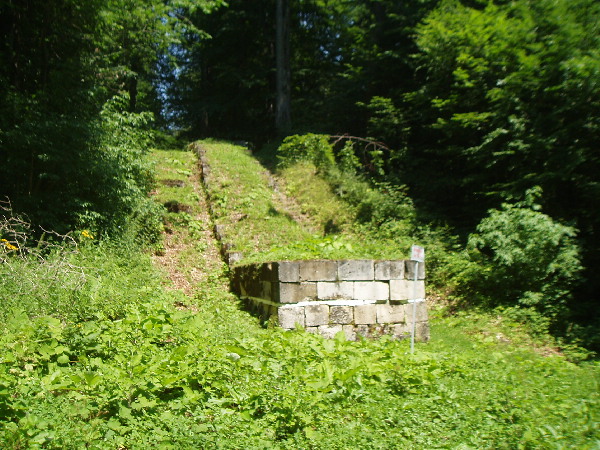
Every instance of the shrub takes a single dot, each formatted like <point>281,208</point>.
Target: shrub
<point>71,277</point>
<point>375,203</point>
<point>525,258</point>
<point>348,162</point>
<point>146,224</point>
<point>310,147</point>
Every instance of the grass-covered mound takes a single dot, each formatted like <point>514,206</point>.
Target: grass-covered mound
<point>297,214</point>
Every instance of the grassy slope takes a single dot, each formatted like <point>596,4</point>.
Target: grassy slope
<point>209,376</point>
<point>245,200</point>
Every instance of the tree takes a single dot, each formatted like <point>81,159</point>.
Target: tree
<point>283,119</point>
<point>225,85</point>
<point>70,150</point>
<point>526,260</point>
<point>508,103</point>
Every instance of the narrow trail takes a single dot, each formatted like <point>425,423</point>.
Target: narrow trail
<point>190,255</point>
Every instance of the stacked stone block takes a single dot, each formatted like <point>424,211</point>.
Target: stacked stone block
<point>358,297</point>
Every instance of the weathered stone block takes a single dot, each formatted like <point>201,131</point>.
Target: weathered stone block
<point>312,330</point>
<point>288,271</point>
<point>389,270</point>
<point>422,332</point>
<point>421,311</point>
<point>400,330</point>
<point>401,289</point>
<point>275,291</point>
<point>253,288</point>
<point>234,257</point>
<point>316,315</point>
<point>341,314</point>
<point>268,272</point>
<point>227,247</point>
<point>376,330</point>
<point>371,290</point>
<point>297,292</point>
<point>358,270</point>
<point>387,291</point>
<point>362,330</point>
<point>409,270</point>
<point>350,332</point>
<point>365,314</point>
<point>289,316</point>
<point>407,289</point>
<point>320,270</point>
<point>387,313</point>
<point>266,290</point>
<point>219,231</point>
<point>331,290</point>
<point>329,331</point>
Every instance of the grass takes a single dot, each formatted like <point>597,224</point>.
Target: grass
<point>245,204</point>
<point>317,198</point>
<point>264,227</point>
<point>208,375</point>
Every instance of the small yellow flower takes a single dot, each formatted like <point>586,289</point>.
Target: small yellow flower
<point>8,245</point>
<point>87,234</point>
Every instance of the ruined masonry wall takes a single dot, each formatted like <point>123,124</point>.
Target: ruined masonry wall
<point>359,297</point>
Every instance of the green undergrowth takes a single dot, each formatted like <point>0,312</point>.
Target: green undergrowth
<point>156,368</point>
<point>73,278</point>
<point>213,378</point>
<point>343,214</point>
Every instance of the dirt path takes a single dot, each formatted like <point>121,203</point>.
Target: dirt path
<point>191,253</point>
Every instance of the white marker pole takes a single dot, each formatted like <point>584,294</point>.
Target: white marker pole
<point>417,254</point>
<point>414,309</point>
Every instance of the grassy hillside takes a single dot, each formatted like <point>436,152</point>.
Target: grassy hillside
<point>149,365</point>
<point>294,214</point>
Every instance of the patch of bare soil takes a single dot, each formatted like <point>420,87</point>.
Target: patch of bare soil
<point>187,260</point>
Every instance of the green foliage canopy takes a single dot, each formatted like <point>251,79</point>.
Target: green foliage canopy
<point>77,89</point>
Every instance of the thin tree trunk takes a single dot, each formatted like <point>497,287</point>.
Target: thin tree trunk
<point>283,116</point>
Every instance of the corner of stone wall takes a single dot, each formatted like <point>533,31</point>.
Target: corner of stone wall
<point>358,297</point>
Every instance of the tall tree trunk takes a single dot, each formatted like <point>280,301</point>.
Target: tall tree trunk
<point>283,116</point>
<point>133,92</point>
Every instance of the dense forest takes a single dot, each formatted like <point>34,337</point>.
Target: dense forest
<point>487,113</point>
<point>329,129</point>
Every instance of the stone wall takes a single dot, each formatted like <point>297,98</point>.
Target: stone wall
<point>359,297</point>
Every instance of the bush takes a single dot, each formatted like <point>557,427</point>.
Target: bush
<point>524,258</point>
<point>71,277</point>
<point>348,162</point>
<point>314,148</point>
<point>375,203</point>
<point>146,224</point>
